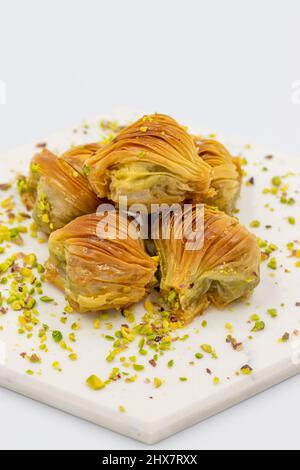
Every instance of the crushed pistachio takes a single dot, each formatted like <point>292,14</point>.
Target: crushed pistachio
<point>75,326</point>
<point>259,326</point>
<point>207,348</point>
<point>73,357</point>
<point>157,382</point>
<point>72,337</point>
<point>138,367</point>
<point>272,264</point>
<point>255,224</point>
<point>45,298</point>
<point>86,170</point>
<point>57,336</point>
<point>199,356</point>
<point>255,317</point>
<point>94,382</point>
<point>246,370</point>
<point>56,366</point>
<point>284,338</point>
<point>272,312</point>
<point>276,181</point>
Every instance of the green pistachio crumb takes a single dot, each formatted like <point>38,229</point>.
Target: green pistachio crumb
<point>206,348</point>
<point>291,220</point>
<point>272,264</point>
<point>86,171</point>
<point>73,357</point>
<point>199,356</point>
<point>284,338</point>
<point>138,367</point>
<point>255,224</point>
<point>276,181</point>
<point>273,312</point>
<point>255,317</point>
<point>94,382</point>
<point>246,370</point>
<point>45,298</point>
<point>157,382</point>
<point>57,336</point>
<point>259,326</point>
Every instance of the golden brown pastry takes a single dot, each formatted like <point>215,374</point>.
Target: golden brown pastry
<point>99,273</point>
<point>226,176</point>
<point>62,194</point>
<point>222,268</point>
<point>152,161</point>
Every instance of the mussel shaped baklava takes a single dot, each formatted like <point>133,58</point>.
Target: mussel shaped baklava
<point>100,263</point>
<point>226,173</point>
<point>152,161</point>
<point>61,193</point>
<point>213,260</point>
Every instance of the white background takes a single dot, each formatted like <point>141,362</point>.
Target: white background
<point>227,65</point>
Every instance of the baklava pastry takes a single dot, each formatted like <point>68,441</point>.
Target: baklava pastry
<point>226,173</point>
<point>62,194</point>
<point>152,161</point>
<point>220,266</point>
<point>98,271</point>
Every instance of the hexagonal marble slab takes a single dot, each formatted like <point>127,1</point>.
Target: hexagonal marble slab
<point>150,414</point>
